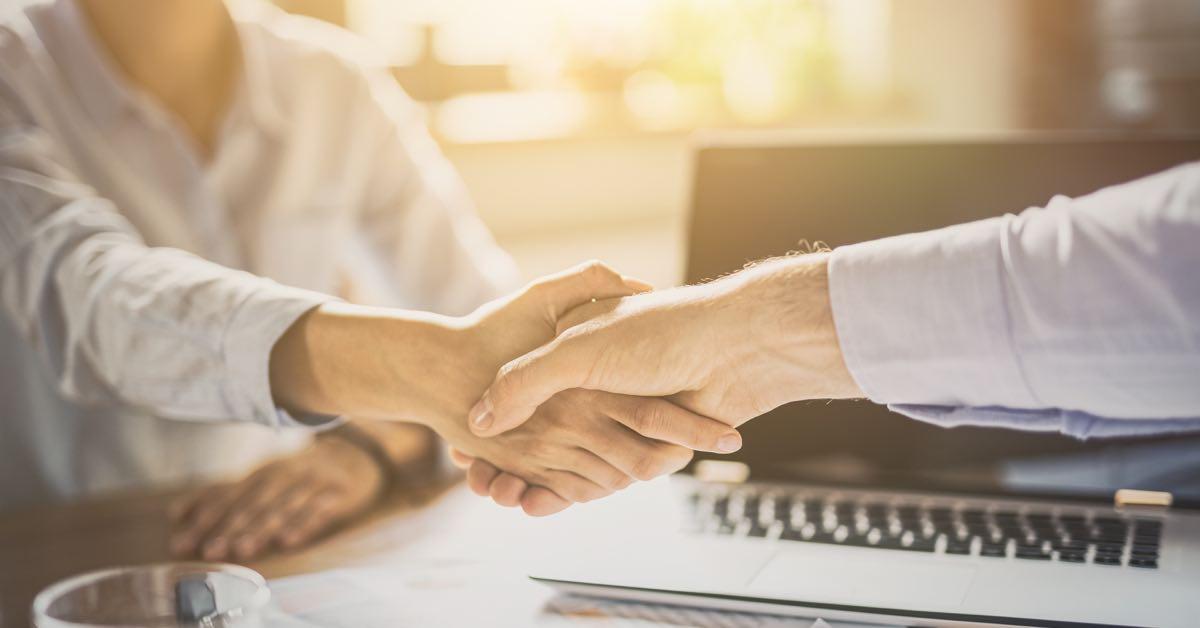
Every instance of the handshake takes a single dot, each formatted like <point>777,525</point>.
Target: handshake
<point>582,382</point>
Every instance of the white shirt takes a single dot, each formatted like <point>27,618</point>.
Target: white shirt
<point>1082,317</point>
<point>139,282</point>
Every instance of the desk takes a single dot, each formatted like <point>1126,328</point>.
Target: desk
<point>40,546</point>
<point>420,560</point>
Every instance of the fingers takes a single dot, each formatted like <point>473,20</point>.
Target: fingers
<point>507,490</point>
<point>257,498</point>
<point>528,381</point>
<point>640,458</point>
<point>585,312</point>
<point>594,468</point>
<point>460,460</point>
<point>269,528</point>
<point>662,420</point>
<point>571,486</point>
<point>316,517</point>
<point>581,284</point>
<point>540,501</point>
<point>479,477</point>
<point>205,510</point>
<point>638,286</point>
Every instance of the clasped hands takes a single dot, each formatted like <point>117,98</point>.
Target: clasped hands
<point>583,381</point>
<point>632,381</point>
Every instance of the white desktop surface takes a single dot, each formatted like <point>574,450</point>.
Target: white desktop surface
<point>463,561</point>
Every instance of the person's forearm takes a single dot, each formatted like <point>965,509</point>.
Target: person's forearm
<point>785,305</point>
<point>1088,305</point>
<point>353,360</point>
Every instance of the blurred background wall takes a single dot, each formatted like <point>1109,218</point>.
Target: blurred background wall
<point>570,120</point>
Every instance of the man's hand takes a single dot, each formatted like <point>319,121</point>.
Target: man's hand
<point>284,504</point>
<point>731,349</point>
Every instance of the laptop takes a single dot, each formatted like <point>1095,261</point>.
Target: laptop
<point>845,510</point>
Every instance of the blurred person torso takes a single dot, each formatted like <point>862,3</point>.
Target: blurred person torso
<point>311,138</point>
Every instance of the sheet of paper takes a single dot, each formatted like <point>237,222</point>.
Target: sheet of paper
<point>458,593</point>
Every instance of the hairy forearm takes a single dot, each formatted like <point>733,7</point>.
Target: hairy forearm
<point>789,319</point>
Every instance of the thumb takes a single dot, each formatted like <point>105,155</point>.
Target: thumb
<point>585,312</point>
<point>528,381</point>
<point>581,284</point>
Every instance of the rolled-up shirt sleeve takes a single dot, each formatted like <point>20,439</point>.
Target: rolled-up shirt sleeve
<point>117,321</point>
<point>1081,317</point>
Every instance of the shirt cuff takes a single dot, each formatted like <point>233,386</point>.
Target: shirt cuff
<point>253,330</point>
<point>1079,425</point>
<point>921,318</point>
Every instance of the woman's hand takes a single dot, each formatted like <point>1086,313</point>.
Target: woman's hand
<point>641,438</point>
<point>584,444</point>
<point>286,503</point>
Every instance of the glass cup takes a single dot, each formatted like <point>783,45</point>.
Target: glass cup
<point>169,595</point>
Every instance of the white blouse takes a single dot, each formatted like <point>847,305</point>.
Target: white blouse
<point>139,281</point>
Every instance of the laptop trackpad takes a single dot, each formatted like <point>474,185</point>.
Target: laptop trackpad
<point>878,579</point>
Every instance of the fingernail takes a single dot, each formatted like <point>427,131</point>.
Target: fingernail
<point>481,414</point>
<point>729,443</point>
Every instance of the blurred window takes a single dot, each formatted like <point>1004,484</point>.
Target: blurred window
<point>553,68</point>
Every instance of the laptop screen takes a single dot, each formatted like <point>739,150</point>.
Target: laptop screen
<point>756,196</point>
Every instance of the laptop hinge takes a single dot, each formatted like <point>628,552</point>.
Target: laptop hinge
<point>1129,497</point>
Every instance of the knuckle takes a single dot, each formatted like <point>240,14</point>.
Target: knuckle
<point>645,468</point>
<point>679,458</point>
<point>540,450</point>
<point>595,491</point>
<point>647,419</point>
<point>598,272</point>
<point>538,286</point>
<point>594,267</point>
<point>567,490</point>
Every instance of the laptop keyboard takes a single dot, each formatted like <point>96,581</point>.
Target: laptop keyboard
<point>1027,534</point>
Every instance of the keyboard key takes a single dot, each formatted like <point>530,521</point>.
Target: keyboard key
<point>1144,550</point>
<point>858,540</point>
<point>974,516</point>
<point>958,547</point>
<point>941,514</point>
<point>887,543</point>
<point>915,543</point>
<point>992,549</point>
<point>759,513</point>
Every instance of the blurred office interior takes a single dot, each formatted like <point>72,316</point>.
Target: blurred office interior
<point>571,120</point>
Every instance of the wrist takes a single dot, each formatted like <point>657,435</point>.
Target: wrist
<point>372,362</point>
<point>791,327</point>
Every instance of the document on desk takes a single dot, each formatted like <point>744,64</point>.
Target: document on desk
<point>447,593</point>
